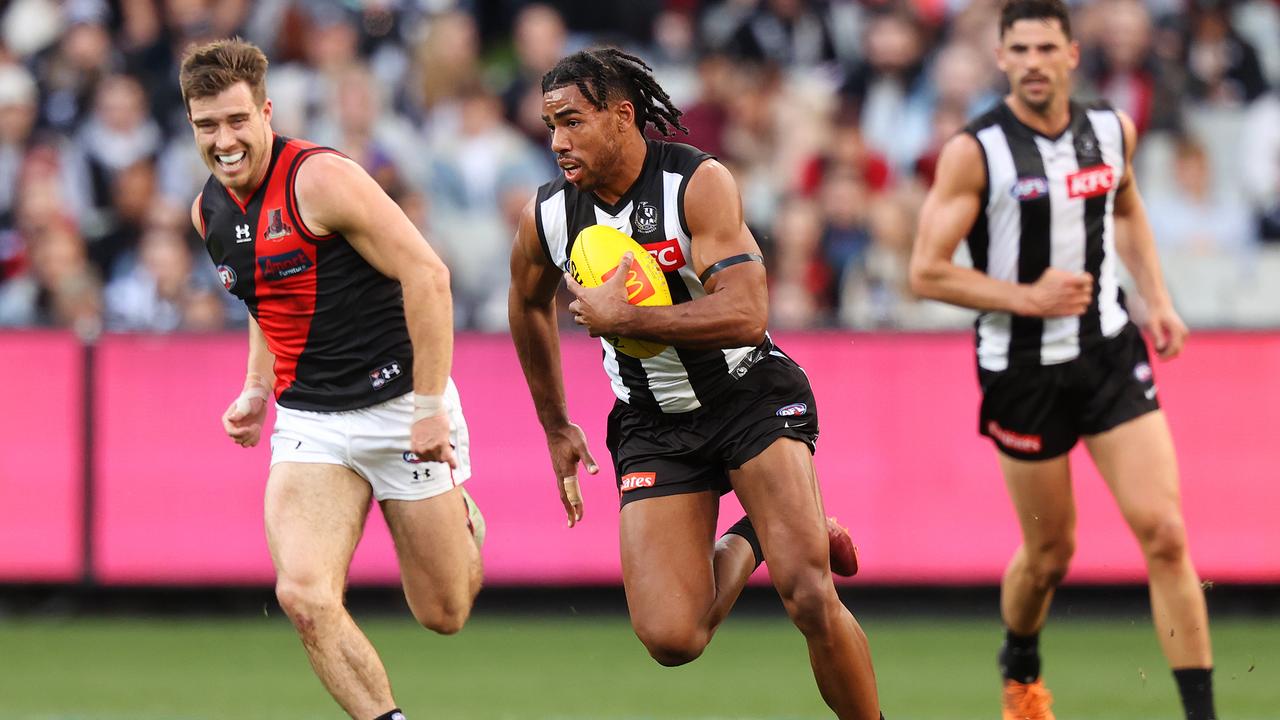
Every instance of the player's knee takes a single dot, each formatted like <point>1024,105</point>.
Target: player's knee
<point>671,646</point>
<point>811,602</point>
<point>1164,538</point>
<point>445,618</point>
<point>306,603</point>
<point>1050,560</point>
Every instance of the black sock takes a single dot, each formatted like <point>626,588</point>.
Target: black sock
<point>395,714</point>
<point>743,529</point>
<point>1195,685</point>
<point>1020,657</point>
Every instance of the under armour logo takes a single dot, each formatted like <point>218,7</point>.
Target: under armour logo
<point>243,234</point>
<point>426,473</point>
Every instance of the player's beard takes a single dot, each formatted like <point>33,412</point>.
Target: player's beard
<point>1043,103</point>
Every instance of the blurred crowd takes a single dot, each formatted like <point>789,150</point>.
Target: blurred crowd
<point>830,114</point>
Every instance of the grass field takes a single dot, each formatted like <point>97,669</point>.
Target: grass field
<point>591,668</point>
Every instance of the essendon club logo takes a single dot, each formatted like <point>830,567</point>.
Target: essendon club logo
<point>1013,440</point>
<point>639,287</point>
<point>279,267</point>
<point>1091,181</point>
<point>668,254</point>
<point>276,226</point>
<point>635,481</point>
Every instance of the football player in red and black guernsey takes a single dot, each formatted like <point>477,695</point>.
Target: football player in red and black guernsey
<point>351,332</point>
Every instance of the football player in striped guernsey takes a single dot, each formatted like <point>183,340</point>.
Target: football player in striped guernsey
<point>1042,188</point>
<point>721,408</point>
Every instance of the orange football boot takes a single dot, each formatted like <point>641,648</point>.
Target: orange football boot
<point>1027,701</point>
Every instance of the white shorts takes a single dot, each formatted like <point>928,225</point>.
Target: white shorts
<point>374,442</point>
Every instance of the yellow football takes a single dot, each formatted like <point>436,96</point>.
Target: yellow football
<point>594,259</point>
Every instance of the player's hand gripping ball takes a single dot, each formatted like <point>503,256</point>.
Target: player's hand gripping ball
<point>596,253</point>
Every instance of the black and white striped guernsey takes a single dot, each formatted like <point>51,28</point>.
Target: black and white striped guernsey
<point>652,212</point>
<point>1048,202</point>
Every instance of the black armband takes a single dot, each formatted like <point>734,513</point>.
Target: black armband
<point>728,262</point>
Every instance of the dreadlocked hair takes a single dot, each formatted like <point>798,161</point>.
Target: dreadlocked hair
<point>604,74</point>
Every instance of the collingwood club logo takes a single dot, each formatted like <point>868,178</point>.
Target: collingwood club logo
<point>645,218</point>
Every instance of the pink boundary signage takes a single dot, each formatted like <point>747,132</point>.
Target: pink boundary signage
<point>899,459</point>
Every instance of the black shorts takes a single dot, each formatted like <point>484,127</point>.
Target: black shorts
<point>1039,412</point>
<point>655,455</point>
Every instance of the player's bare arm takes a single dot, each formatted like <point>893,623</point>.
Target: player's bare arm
<point>734,312</point>
<point>335,195</point>
<point>532,313</point>
<point>949,211</point>
<point>245,416</point>
<point>1135,244</point>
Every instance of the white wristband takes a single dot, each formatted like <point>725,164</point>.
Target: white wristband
<point>244,403</point>
<point>427,406</point>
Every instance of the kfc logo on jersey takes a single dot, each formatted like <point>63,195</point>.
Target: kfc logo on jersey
<point>645,218</point>
<point>1091,181</point>
<point>1029,188</point>
<point>227,276</point>
<point>635,481</point>
<point>1013,440</point>
<point>279,267</point>
<point>668,254</point>
<point>639,287</point>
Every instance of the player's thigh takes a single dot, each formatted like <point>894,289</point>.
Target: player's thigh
<point>1042,498</point>
<point>434,545</point>
<point>779,490</point>
<point>1138,463</point>
<point>666,545</point>
<point>314,515</point>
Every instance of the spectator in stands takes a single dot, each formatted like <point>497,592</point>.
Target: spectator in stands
<point>1223,67</point>
<point>707,116</point>
<point>875,293</point>
<point>846,151</point>
<point>1260,164</point>
<point>846,238</point>
<point>60,289</point>
<point>1125,71</point>
<point>788,33</point>
<point>302,87</point>
<point>161,290</point>
<point>358,122</point>
<point>119,136</point>
<point>479,180</point>
<point>891,91</point>
<point>68,73</point>
<point>797,277</point>
<point>540,39</point>
<point>1193,218</point>
<point>17,119</point>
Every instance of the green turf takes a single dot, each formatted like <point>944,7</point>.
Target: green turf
<point>593,669</point>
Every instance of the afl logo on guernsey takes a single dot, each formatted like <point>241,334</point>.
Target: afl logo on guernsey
<point>279,267</point>
<point>227,276</point>
<point>1029,188</point>
<point>792,410</point>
